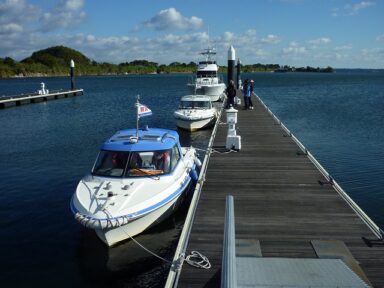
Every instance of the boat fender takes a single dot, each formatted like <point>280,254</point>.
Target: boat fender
<point>193,175</point>
<point>197,162</point>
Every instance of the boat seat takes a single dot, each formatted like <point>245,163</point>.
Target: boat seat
<point>144,172</point>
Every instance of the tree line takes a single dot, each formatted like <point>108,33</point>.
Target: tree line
<point>54,61</point>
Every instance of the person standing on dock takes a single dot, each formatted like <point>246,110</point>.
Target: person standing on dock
<point>231,94</point>
<point>250,96</point>
<point>247,95</point>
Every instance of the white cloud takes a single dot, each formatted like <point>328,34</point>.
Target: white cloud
<point>372,57</point>
<point>320,41</point>
<point>294,50</point>
<point>352,9</point>
<point>335,12</point>
<point>10,28</point>
<point>22,25</point>
<point>170,18</point>
<point>373,53</point>
<point>228,36</point>
<point>380,37</point>
<point>343,48</point>
<point>67,13</point>
<point>271,39</point>
<point>18,12</point>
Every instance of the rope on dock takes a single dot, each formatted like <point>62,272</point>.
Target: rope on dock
<point>212,150</point>
<point>198,260</point>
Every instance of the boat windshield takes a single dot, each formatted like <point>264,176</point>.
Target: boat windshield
<point>195,105</point>
<point>132,164</point>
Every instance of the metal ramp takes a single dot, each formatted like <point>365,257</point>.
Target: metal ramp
<point>243,265</point>
<point>291,272</point>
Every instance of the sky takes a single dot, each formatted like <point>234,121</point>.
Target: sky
<point>318,33</point>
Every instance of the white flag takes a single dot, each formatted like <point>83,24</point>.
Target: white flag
<point>144,111</point>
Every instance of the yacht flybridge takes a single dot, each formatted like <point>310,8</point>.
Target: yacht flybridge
<point>207,81</point>
<point>139,177</point>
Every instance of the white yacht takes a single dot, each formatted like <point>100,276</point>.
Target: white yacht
<point>138,179</point>
<point>195,112</point>
<point>207,81</point>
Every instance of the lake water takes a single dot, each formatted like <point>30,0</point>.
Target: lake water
<point>46,148</point>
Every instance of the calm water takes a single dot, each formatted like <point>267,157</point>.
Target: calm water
<point>46,148</point>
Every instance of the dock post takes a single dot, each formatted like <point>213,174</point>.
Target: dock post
<point>238,73</point>
<point>233,140</point>
<point>231,64</point>
<point>72,65</point>
<point>228,264</point>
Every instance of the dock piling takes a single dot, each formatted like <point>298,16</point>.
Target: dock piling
<point>231,64</point>
<point>238,74</point>
<point>72,68</point>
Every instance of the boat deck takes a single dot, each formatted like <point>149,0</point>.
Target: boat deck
<point>278,202</point>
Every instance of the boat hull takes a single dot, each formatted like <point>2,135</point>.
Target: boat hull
<point>115,235</point>
<point>214,91</point>
<point>194,125</point>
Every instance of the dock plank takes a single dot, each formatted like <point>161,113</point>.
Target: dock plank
<point>278,201</point>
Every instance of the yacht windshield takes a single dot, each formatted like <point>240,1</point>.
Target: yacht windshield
<point>206,74</point>
<point>195,105</point>
<point>132,164</point>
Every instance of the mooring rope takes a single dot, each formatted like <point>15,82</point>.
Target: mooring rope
<point>192,259</point>
<point>196,259</point>
<point>212,150</point>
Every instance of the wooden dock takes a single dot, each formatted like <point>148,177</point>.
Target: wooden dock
<point>18,100</point>
<point>281,201</point>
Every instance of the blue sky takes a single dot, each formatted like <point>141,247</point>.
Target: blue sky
<point>337,33</point>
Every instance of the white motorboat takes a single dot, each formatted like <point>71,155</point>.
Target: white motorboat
<point>207,81</point>
<point>138,179</point>
<point>195,112</point>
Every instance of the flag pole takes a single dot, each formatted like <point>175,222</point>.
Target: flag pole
<point>137,117</point>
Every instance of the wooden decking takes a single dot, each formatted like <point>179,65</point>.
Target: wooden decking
<point>278,201</point>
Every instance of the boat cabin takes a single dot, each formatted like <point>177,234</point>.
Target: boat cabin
<point>195,102</point>
<point>155,152</point>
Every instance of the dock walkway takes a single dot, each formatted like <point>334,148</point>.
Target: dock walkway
<point>278,201</point>
<point>18,100</point>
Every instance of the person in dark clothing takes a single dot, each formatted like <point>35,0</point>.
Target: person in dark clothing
<point>231,94</point>
<point>246,93</point>
<point>250,98</point>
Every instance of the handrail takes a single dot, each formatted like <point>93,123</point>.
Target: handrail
<point>174,273</point>
<point>228,264</point>
<point>379,233</point>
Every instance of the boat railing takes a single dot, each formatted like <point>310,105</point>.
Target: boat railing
<point>167,135</point>
<point>228,263</point>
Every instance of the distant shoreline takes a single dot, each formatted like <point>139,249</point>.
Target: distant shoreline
<point>41,75</point>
